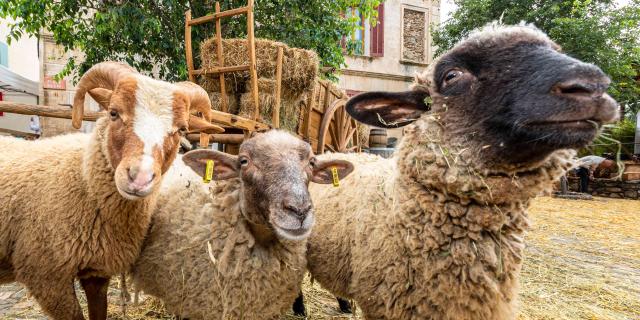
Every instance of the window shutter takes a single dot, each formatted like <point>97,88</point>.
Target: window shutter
<point>377,34</point>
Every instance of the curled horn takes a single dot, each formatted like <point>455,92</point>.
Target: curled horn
<point>198,99</point>
<point>102,75</point>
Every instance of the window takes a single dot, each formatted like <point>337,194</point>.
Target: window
<point>366,41</point>
<point>4,54</point>
<point>415,48</point>
<point>377,34</point>
<point>357,37</point>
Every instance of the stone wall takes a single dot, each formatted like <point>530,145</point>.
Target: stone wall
<point>414,36</point>
<point>609,188</point>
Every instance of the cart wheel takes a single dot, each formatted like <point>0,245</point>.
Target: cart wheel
<point>340,126</point>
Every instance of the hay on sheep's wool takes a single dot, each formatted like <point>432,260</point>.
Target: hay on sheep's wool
<point>299,68</point>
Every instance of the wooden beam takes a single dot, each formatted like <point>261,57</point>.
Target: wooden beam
<point>223,14</point>
<point>220,138</point>
<point>19,133</point>
<point>221,70</point>
<point>223,90</point>
<point>187,45</point>
<point>232,120</point>
<point>251,45</point>
<point>45,111</point>
<point>275,116</point>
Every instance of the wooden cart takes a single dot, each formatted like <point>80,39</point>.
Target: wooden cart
<point>324,122</point>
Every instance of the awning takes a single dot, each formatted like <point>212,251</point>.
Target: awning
<point>13,82</point>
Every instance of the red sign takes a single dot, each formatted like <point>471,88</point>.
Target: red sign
<point>50,83</point>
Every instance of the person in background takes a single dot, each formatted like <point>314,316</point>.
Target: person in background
<point>586,168</point>
<point>34,125</point>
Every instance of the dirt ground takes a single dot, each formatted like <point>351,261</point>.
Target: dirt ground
<point>582,262</point>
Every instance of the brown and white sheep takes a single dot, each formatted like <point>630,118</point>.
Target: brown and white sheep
<point>78,206</point>
<point>437,232</point>
<point>237,249</point>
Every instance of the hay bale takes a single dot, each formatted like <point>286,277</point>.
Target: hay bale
<point>289,110</point>
<point>299,68</point>
<point>216,102</point>
<point>234,82</point>
<point>247,106</point>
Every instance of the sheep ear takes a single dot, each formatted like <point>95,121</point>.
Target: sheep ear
<point>388,109</point>
<point>102,96</point>
<point>322,170</point>
<point>225,166</point>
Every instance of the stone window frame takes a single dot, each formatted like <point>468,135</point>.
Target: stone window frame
<point>427,38</point>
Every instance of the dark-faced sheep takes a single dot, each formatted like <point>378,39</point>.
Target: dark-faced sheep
<point>437,232</point>
<point>235,250</point>
<point>79,205</point>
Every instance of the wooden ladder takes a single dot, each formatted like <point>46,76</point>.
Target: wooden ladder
<point>223,116</point>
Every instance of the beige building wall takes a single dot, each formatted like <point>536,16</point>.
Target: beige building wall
<point>408,50</point>
<point>396,69</point>
<point>59,93</point>
<point>23,61</point>
<point>23,53</point>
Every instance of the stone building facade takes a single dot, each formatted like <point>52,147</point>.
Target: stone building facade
<point>395,50</point>
<point>58,93</point>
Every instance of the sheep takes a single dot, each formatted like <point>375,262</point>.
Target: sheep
<point>237,249</point>
<point>78,206</point>
<point>437,231</point>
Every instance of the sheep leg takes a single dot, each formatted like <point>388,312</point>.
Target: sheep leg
<point>298,306</point>
<point>56,298</point>
<point>345,305</point>
<point>96,291</point>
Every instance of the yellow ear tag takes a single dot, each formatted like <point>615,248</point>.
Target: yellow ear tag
<point>208,172</point>
<point>335,176</point>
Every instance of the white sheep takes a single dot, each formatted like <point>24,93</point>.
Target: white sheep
<point>236,250</point>
<point>79,205</point>
<point>437,231</point>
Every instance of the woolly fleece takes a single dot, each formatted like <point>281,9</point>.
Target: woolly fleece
<point>62,217</point>
<point>245,280</point>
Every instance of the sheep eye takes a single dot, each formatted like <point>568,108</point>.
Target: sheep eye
<point>452,76</point>
<point>183,130</point>
<point>312,162</point>
<point>114,115</point>
<point>244,161</point>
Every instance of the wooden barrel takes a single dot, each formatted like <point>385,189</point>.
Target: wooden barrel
<point>377,138</point>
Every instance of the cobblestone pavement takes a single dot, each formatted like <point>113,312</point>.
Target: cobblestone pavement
<point>16,303</point>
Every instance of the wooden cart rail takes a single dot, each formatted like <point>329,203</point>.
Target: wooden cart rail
<point>46,111</point>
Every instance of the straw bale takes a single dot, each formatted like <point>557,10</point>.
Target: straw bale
<point>289,110</point>
<point>299,69</point>
<point>232,102</point>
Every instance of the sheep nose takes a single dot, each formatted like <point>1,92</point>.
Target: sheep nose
<point>140,179</point>
<point>297,210</point>
<point>581,89</point>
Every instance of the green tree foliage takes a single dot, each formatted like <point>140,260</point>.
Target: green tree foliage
<point>148,33</point>
<point>595,31</point>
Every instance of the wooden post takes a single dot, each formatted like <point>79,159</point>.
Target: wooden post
<point>187,44</point>
<point>275,116</point>
<point>223,90</point>
<point>327,96</point>
<point>251,45</point>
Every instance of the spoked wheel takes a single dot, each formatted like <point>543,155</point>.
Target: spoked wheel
<point>337,130</point>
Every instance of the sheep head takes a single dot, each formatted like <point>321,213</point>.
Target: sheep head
<point>275,169</point>
<point>147,117</point>
<point>506,91</point>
